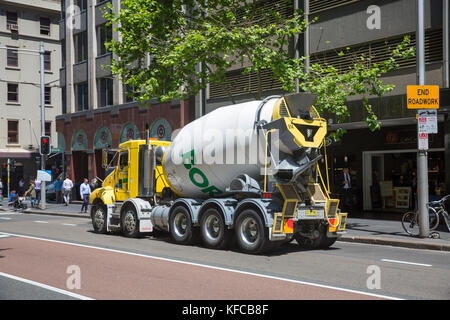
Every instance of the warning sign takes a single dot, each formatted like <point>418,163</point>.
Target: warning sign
<point>423,141</point>
<point>423,97</point>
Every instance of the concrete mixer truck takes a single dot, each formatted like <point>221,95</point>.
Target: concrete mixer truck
<point>246,174</point>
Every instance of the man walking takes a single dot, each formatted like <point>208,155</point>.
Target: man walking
<point>37,187</point>
<point>347,190</point>
<point>58,190</point>
<point>85,192</point>
<point>67,187</point>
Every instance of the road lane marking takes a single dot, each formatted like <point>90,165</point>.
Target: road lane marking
<point>5,218</point>
<point>4,236</point>
<point>38,221</point>
<point>208,266</point>
<point>44,286</point>
<point>69,224</point>
<point>406,262</point>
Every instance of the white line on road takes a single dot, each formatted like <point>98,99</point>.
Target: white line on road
<point>44,286</point>
<point>208,266</point>
<point>5,218</point>
<point>38,221</point>
<point>4,236</point>
<point>69,224</point>
<point>406,262</point>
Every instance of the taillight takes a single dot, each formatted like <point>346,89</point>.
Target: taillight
<point>265,195</point>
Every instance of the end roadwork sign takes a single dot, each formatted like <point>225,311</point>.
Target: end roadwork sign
<point>423,97</point>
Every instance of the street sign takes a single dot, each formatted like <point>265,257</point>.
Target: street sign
<point>422,97</point>
<point>427,121</point>
<point>423,141</point>
<point>44,175</point>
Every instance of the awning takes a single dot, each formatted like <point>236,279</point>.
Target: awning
<point>17,153</point>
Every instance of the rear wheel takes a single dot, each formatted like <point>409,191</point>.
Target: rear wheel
<point>251,234</point>
<point>410,223</point>
<point>99,216</point>
<point>130,222</point>
<point>320,241</point>
<point>180,226</point>
<point>213,229</point>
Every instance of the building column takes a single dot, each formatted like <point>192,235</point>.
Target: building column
<point>92,55</point>
<point>117,83</point>
<point>70,24</point>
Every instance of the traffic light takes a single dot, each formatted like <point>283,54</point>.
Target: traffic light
<point>45,145</point>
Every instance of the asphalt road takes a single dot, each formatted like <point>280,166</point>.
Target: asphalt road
<point>55,254</point>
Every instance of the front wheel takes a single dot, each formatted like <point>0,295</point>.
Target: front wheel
<point>99,216</point>
<point>410,223</point>
<point>251,234</point>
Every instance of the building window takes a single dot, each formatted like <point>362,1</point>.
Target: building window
<point>48,95</point>
<point>104,34</point>
<point>48,128</point>
<point>81,46</point>
<point>13,92</point>
<point>12,57</point>
<point>13,131</point>
<point>82,4</point>
<point>82,96</point>
<point>47,60</point>
<point>45,26</point>
<point>64,100</point>
<point>11,21</point>
<point>106,92</point>
<point>129,93</point>
<point>63,53</point>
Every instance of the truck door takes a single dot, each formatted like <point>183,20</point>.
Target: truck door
<point>121,187</point>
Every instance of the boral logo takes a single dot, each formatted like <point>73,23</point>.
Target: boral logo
<point>197,177</point>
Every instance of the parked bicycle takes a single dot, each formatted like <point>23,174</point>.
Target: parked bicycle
<point>410,220</point>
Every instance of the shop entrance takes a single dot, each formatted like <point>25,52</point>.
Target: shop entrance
<point>389,178</point>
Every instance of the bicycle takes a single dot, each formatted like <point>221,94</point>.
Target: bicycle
<point>410,220</point>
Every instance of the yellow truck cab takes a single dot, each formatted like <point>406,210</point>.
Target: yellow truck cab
<point>123,183</point>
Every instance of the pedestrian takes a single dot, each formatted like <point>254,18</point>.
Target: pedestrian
<point>1,192</point>
<point>12,197</point>
<point>85,192</point>
<point>347,198</point>
<point>32,192</point>
<point>37,186</point>
<point>67,188</point>
<point>58,190</point>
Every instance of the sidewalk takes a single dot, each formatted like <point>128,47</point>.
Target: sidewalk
<point>362,230</point>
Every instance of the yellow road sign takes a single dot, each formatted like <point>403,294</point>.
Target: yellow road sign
<point>423,97</point>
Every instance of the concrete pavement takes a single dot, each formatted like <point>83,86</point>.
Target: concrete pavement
<point>361,230</point>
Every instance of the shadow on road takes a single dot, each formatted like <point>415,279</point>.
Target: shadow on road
<point>1,256</point>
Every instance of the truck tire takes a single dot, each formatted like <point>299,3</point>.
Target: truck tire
<point>213,229</point>
<point>251,234</point>
<point>98,217</point>
<point>180,226</point>
<point>129,222</point>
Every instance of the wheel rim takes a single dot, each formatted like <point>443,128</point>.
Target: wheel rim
<point>410,223</point>
<point>130,221</point>
<point>212,227</point>
<point>180,224</point>
<point>99,218</point>
<point>249,231</point>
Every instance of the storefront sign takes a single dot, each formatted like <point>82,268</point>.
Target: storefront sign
<point>44,175</point>
<point>423,141</point>
<point>423,97</point>
<point>427,121</point>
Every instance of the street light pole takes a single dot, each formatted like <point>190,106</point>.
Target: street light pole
<point>41,55</point>
<point>422,155</point>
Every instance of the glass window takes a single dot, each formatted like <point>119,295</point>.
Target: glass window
<point>104,34</point>
<point>81,96</point>
<point>48,95</point>
<point>11,19</point>
<point>12,57</point>
<point>13,92</point>
<point>47,60</point>
<point>45,26</point>
<point>106,92</point>
<point>81,46</point>
<point>82,4</point>
<point>13,131</point>
<point>48,128</point>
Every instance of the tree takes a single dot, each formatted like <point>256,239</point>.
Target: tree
<point>178,36</point>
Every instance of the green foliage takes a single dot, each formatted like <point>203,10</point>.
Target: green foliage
<point>163,42</point>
